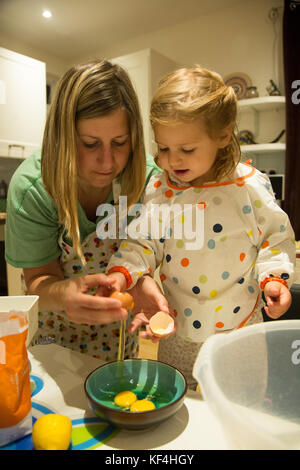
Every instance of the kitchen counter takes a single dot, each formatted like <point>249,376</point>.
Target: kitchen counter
<point>59,375</point>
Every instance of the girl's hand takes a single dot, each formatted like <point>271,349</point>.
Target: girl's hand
<point>119,282</point>
<point>148,300</point>
<point>82,307</point>
<point>278,298</point>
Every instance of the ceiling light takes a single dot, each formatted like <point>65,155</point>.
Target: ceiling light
<point>47,14</point>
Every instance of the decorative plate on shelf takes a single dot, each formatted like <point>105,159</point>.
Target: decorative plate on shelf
<point>239,82</point>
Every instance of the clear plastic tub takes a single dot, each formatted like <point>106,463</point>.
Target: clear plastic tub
<point>251,380</point>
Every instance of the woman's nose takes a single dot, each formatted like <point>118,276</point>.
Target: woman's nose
<point>105,155</point>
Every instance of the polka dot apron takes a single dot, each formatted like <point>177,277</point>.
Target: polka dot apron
<point>213,288</point>
<point>100,341</point>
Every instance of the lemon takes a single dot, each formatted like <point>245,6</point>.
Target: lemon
<point>52,432</point>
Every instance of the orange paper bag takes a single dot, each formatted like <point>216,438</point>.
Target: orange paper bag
<point>15,394</point>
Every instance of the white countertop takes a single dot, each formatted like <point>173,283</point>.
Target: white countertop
<point>60,374</point>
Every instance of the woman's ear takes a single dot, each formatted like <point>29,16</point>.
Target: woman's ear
<point>225,137</point>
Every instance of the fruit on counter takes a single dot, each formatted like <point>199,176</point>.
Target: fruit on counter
<point>125,298</point>
<point>161,324</point>
<point>52,432</point>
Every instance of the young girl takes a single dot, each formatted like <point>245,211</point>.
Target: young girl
<point>248,243</point>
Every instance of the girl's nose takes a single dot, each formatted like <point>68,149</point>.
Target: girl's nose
<point>174,159</point>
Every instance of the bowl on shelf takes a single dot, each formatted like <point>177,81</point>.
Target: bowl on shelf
<point>251,380</point>
<point>164,385</point>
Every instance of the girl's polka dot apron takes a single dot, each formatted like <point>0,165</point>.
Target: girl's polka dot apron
<point>213,288</point>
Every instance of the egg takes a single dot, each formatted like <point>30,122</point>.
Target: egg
<point>125,399</point>
<point>125,298</point>
<point>142,405</point>
<point>161,324</point>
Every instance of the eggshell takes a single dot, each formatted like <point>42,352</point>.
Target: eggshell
<point>161,324</point>
<point>125,298</point>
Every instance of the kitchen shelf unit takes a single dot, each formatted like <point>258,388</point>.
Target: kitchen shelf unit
<point>263,103</point>
<point>263,148</point>
<point>264,115</point>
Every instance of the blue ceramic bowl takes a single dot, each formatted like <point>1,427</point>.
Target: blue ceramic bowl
<point>144,377</point>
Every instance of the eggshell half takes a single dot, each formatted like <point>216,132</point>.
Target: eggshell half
<point>161,324</point>
<point>125,298</point>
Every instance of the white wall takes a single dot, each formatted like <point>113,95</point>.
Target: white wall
<point>54,65</point>
<point>236,39</point>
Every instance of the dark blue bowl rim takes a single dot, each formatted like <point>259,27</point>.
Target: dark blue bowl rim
<point>140,413</point>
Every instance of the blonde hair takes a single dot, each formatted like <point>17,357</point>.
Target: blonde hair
<point>189,94</point>
<point>87,91</point>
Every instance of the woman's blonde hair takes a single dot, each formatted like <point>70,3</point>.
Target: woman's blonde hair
<point>188,94</point>
<point>87,91</point>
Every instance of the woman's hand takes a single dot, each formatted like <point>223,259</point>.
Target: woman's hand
<point>278,298</point>
<point>82,307</point>
<point>148,300</point>
<point>71,295</point>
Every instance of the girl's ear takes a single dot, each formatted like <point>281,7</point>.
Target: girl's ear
<point>225,137</point>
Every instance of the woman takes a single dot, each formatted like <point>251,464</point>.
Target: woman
<point>92,152</point>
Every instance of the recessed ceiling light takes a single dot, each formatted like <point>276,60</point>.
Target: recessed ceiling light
<point>47,14</point>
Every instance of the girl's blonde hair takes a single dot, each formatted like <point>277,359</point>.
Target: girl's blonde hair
<point>87,91</point>
<point>188,94</point>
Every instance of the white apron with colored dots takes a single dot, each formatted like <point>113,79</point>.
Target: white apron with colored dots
<point>213,287</point>
<point>100,341</point>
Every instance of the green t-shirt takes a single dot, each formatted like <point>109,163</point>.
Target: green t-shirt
<point>32,228</point>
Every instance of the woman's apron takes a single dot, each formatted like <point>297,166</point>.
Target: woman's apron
<point>100,341</point>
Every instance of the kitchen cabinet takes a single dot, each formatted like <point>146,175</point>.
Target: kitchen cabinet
<point>265,118</point>
<point>13,282</point>
<point>22,104</point>
<point>146,68</point>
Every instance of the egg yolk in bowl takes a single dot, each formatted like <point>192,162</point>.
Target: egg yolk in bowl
<point>129,401</point>
<point>125,399</point>
<point>142,405</point>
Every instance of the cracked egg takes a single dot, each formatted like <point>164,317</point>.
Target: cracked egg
<point>161,324</point>
<point>125,298</point>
